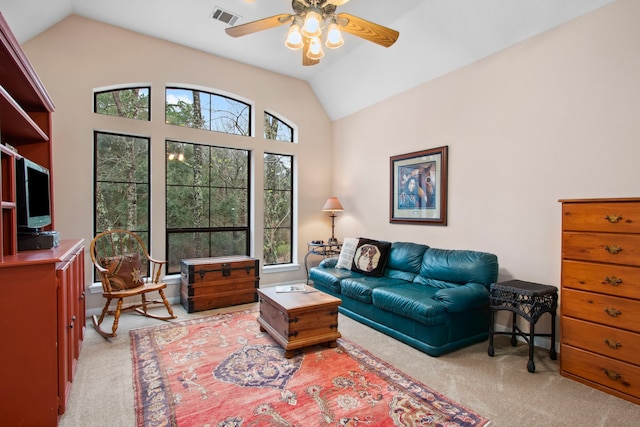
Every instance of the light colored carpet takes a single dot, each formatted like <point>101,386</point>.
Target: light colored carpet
<point>499,387</point>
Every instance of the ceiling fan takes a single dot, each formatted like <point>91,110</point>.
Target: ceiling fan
<point>307,23</point>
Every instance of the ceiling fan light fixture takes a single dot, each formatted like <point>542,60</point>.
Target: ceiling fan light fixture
<point>294,37</point>
<point>334,36</point>
<point>315,49</point>
<point>312,20</point>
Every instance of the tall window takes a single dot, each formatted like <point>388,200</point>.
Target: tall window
<point>276,129</point>
<point>278,208</point>
<point>121,183</point>
<point>202,110</point>
<point>207,202</point>
<point>132,103</point>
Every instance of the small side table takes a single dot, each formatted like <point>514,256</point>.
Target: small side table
<point>325,250</point>
<point>529,300</point>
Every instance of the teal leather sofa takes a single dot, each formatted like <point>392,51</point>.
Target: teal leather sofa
<point>435,300</point>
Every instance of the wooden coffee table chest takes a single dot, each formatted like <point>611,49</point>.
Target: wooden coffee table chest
<point>207,283</point>
<point>299,319</point>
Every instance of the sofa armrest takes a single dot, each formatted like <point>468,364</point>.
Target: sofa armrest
<point>463,298</point>
<point>328,262</point>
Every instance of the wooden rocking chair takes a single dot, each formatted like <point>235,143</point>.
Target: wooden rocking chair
<point>122,262</point>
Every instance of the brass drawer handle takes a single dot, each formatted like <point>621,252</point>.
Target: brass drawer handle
<point>613,249</point>
<point>613,218</point>
<point>613,375</point>
<point>613,343</point>
<point>613,281</point>
<point>612,311</point>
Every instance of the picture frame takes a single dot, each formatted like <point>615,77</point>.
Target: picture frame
<point>418,187</point>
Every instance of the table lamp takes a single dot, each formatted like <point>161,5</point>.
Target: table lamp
<point>332,205</point>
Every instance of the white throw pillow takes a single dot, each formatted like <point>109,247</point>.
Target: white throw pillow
<point>347,252</point>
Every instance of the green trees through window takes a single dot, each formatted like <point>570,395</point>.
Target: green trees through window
<point>133,103</point>
<point>207,202</point>
<point>121,196</point>
<point>278,208</point>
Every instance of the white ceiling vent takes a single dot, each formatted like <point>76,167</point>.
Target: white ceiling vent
<point>224,16</point>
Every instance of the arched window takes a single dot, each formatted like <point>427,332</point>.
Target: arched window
<point>208,196</point>
<point>276,129</point>
<point>209,111</point>
<point>130,103</point>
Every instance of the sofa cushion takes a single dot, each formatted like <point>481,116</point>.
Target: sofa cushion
<point>406,256</point>
<point>434,283</point>
<point>463,298</point>
<point>371,257</point>
<point>359,288</point>
<point>460,266</point>
<point>331,277</point>
<point>347,252</point>
<point>411,300</point>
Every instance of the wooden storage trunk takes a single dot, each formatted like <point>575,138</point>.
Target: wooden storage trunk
<point>299,319</point>
<point>208,283</point>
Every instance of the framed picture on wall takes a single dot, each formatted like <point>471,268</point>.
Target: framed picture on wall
<point>418,183</point>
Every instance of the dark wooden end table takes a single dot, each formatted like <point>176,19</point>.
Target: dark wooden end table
<point>530,301</point>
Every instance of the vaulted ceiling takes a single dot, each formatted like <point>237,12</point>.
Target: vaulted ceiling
<point>436,36</point>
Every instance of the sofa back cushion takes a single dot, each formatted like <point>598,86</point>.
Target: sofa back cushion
<point>406,256</point>
<point>460,266</point>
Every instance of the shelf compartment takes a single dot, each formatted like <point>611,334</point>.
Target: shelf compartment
<point>17,125</point>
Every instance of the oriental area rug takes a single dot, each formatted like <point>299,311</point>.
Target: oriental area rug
<point>222,371</point>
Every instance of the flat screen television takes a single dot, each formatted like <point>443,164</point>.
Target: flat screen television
<point>33,195</point>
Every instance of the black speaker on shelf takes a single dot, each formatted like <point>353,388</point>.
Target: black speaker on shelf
<point>38,240</point>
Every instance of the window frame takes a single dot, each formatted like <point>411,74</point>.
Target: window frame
<point>292,197</point>
<point>285,122</point>
<point>109,89</point>
<point>211,92</point>
<point>247,228</point>
<point>146,235</point>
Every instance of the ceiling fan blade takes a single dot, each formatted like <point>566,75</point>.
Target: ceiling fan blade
<point>305,60</point>
<point>337,2</point>
<point>259,25</point>
<point>368,30</point>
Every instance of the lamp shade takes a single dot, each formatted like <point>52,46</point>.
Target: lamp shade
<point>315,49</point>
<point>332,204</point>
<point>334,37</point>
<point>294,37</point>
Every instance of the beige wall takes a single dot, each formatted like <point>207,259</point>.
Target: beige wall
<point>557,116</point>
<point>78,55</point>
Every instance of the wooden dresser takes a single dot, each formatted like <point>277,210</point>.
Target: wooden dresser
<point>600,294</point>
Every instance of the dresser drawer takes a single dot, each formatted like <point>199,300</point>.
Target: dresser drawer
<point>604,309</point>
<point>602,247</point>
<point>614,374</point>
<point>616,280</point>
<point>612,217</point>
<point>604,340</point>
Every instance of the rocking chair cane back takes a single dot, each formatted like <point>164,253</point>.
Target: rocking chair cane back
<point>126,270</point>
